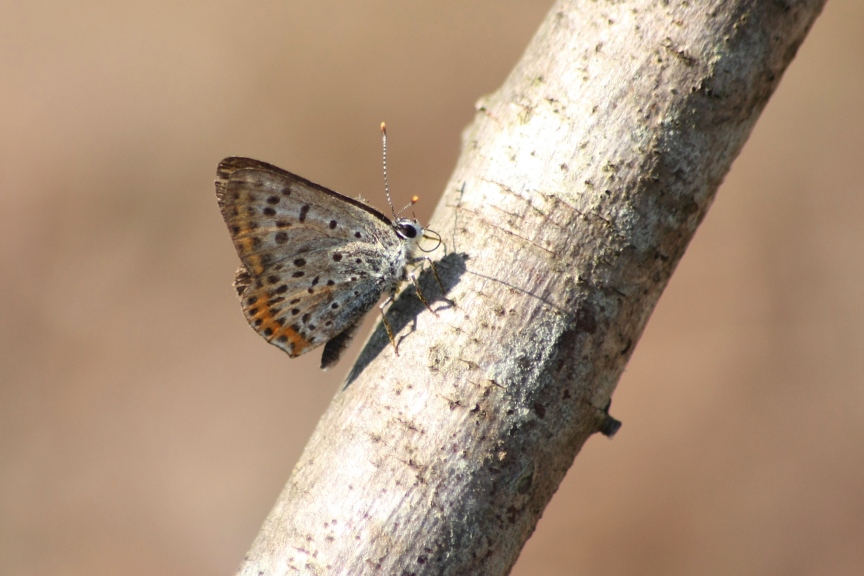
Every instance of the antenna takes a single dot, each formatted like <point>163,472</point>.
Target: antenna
<point>414,200</point>
<point>384,147</point>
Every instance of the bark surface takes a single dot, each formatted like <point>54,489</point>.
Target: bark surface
<point>580,184</point>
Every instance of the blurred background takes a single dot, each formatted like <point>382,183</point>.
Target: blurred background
<point>145,428</point>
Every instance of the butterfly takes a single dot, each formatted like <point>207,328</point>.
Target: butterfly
<point>313,261</point>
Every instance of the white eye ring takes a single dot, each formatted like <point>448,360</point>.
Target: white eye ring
<point>407,229</point>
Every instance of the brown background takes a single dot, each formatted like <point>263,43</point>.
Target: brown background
<point>145,429</point>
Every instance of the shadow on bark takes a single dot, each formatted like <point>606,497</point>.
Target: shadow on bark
<point>407,306</point>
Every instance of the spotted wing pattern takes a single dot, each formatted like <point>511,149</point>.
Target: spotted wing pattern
<point>313,261</point>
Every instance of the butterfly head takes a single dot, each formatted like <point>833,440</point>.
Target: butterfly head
<point>408,229</point>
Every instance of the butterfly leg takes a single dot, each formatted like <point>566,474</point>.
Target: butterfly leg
<point>387,324</point>
<point>420,294</point>
<point>437,279</point>
<point>434,273</point>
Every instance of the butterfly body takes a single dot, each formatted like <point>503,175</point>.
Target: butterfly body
<point>313,261</point>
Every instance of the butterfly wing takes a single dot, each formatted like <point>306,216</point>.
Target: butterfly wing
<point>334,348</point>
<point>314,261</point>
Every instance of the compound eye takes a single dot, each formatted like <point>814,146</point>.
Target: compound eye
<point>408,229</point>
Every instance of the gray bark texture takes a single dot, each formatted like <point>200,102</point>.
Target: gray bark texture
<point>580,184</point>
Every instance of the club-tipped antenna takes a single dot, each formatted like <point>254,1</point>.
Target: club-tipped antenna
<point>414,200</point>
<point>384,162</point>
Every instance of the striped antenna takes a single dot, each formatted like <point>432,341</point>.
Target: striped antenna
<point>414,200</point>
<point>386,186</point>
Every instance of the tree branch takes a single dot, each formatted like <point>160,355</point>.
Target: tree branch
<point>581,182</point>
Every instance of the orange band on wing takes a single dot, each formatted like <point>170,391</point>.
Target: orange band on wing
<point>285,336</point>
<point>246,250</point>
<point>262,320</point>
